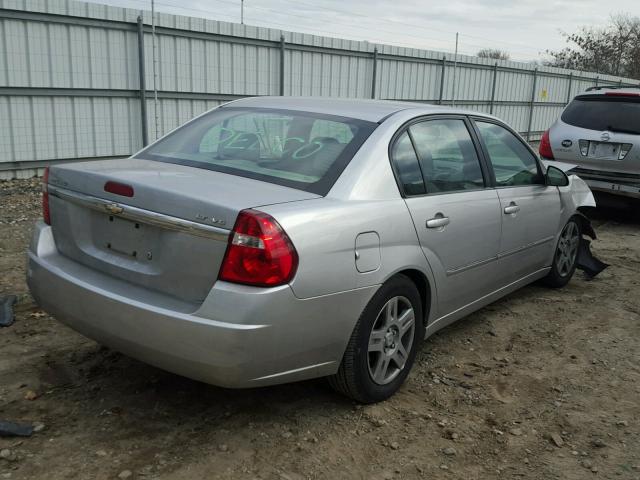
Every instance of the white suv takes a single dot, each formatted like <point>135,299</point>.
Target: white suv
<point>600,132</point>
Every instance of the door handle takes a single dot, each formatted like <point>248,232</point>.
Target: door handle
<point>512,208</point>
<point>438,221</point>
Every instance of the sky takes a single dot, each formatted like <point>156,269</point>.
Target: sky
<point>524,28</point>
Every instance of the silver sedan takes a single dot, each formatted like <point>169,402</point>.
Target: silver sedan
<point>273,240</point>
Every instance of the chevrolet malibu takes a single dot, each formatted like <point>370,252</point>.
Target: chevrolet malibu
<point>273,240</point>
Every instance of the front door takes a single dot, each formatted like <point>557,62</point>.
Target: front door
<point>530,209</point>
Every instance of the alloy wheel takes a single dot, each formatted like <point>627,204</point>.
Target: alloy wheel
<point>567,249</point>
<point>391,340</point>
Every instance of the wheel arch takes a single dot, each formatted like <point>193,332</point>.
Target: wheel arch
<point>421,282</point>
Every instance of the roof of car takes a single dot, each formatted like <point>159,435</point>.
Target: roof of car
<point>363,109</point>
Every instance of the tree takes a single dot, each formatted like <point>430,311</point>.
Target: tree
<point>493,53</point>
<point>612,50</point>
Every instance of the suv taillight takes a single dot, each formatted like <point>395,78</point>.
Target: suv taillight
<point>259,253</point>
<point>46,213</point>
<point>545,146</point>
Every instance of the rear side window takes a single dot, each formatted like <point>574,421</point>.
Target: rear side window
<point>303,150</point>
<point>599,112</point>
<point>406,165</point>
<point>448,158</point>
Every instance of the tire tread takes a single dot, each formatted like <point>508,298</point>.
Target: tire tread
<point>344,380</point>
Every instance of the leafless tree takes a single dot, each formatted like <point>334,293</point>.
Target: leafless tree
<point>493,53</point>
<point>613,50</point>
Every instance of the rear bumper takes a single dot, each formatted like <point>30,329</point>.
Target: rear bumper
<point>611,182</point>
<point>615,188</point>
<point>239,337</point>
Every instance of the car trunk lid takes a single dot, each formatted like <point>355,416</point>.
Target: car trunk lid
<point>169,236</point>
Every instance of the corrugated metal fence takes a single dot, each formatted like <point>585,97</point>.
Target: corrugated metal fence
<point>76,78</point>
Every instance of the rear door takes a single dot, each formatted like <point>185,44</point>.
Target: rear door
<point>530,210</point>
<point>457,218</point>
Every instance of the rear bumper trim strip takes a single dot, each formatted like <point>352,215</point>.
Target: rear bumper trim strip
<point>614,187</point>
<point>606,175</point>
<point>140,215</point>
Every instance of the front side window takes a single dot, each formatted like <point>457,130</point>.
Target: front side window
<point>512,162</point>
<point>447,155</point>
<point>302,150</point>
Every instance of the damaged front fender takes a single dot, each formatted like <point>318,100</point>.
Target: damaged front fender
<point>586,262</point>
<point>577,194</point>
<point>574,196</point>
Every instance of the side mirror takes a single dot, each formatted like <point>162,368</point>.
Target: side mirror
<point>556,177</point>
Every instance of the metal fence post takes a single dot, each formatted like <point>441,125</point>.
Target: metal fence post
<point>531,105</point>
<point>143,88</point>
<point>281,65</point>
<point>569,88</point>
<point>375,72</point>
<point>444,66</point>
<point>493,87</point>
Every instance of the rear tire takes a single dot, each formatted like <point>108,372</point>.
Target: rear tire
<point>383,345</point>
<point>565,258</point>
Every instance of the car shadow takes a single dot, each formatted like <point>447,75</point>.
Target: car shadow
<point>124,387</point>
<point>613,208</point>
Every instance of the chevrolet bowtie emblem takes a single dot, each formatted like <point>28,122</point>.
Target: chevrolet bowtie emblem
<point>113,208</point>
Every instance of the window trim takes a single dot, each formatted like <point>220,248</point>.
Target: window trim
<point>487,158</point>
<point>487,174</point>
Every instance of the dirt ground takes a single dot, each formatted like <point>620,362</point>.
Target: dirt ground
<point>486,398</point>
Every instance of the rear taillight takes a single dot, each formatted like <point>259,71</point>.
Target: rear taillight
<point>545,146</point>
<point>259,253</point>
<point>46,213</point>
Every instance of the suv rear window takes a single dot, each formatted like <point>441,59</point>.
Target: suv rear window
<point>599,112</point>
<point>303,150</point>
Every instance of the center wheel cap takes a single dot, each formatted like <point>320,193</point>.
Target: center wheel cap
<point>390,338</point>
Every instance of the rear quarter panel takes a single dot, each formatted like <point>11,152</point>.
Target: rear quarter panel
<point>324,234</point>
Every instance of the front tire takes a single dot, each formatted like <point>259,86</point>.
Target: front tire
<point>383,345</point>
<point>566,255</point>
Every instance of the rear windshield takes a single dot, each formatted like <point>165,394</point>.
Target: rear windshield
<point>303,150</point>
<point>597,112</point>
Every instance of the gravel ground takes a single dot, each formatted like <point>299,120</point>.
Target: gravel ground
<point>544,384</point>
